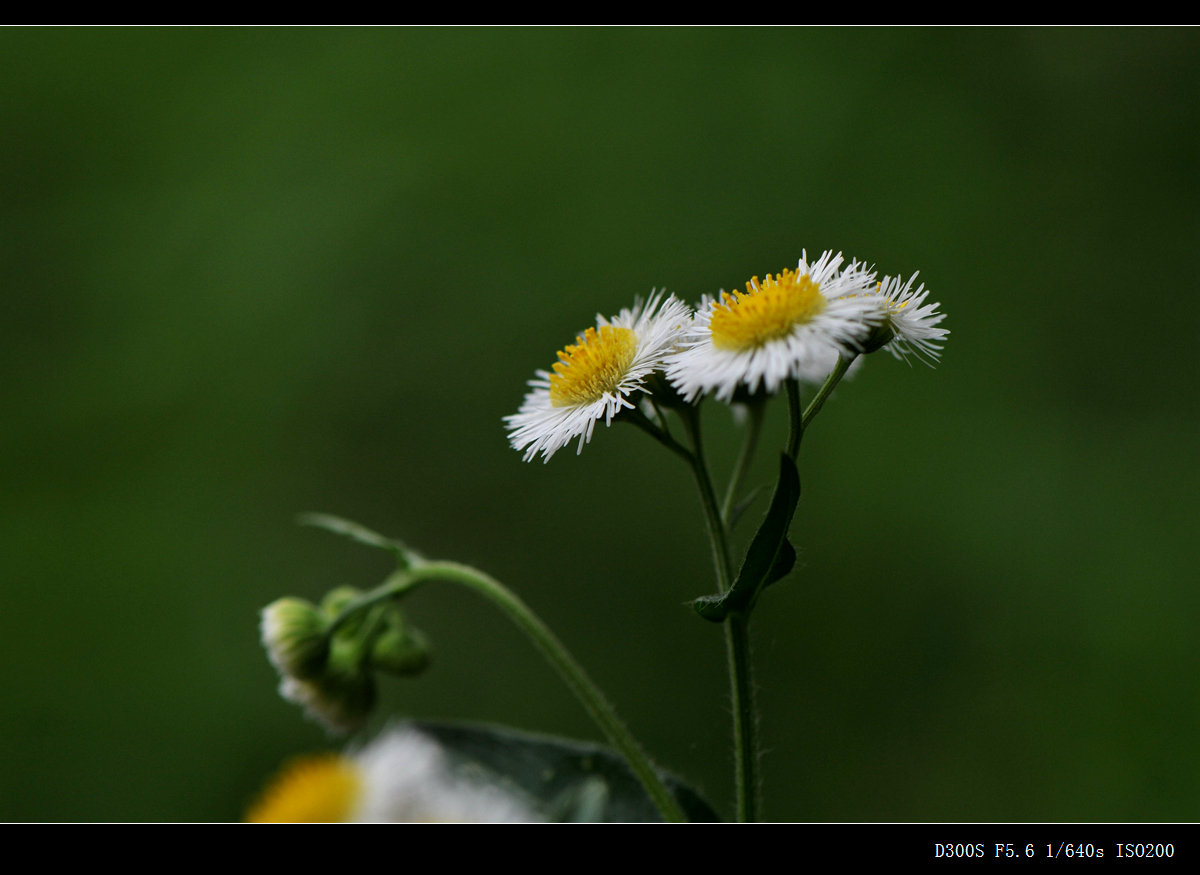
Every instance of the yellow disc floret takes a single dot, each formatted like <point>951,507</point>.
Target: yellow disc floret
<point>312,789</point>
<point>766,312</point>
<point>592,366</point>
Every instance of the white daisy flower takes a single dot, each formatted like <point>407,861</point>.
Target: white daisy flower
<point>912,322</point>
<point>595,376</point>
<point>400,777</point>
<point>789,325</point>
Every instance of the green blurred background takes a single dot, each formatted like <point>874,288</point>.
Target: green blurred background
<point>248,273</point>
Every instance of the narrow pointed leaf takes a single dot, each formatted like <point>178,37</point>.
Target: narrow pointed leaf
<point>355,532</point>
<point>784,563</point>
<point>711,607</point>
<point>770,555</point>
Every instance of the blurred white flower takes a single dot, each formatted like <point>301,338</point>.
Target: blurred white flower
<point>400,777</point>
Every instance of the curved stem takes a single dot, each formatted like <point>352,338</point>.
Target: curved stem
<point>757,413</point>
<point>835,377</point>
<point>558,656</point>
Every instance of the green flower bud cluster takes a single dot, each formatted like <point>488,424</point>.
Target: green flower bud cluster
<point>330,670</point>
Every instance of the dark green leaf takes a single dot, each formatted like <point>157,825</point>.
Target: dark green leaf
<point>711,607</point>
<point>770,555</point>
<point>784,563</point>
<point>563,780</point>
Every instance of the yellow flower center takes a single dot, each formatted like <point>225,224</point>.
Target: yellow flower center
<point>765,312</point>
<point>595,364</point>
<point>312,789</point>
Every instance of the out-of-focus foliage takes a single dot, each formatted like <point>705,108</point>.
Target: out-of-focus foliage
<point>248,273</point>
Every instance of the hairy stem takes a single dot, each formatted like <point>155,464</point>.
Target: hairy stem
<point>745,717</point>
<point>737,644</point>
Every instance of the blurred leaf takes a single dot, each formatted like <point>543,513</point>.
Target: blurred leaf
<point>355,532</point>
<point>771,555</point>
<point>566,780</point>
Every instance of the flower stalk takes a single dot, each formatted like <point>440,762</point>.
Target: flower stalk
<point>835,376</point>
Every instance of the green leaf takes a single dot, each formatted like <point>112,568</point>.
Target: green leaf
<point>361,534</point>
<point>784,563</point>
<point>770,556</point>
<point>562,779</point>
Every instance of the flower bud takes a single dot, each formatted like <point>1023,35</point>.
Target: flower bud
<point>399,649</point>
<point>337,600</point>
<point>293,632</point>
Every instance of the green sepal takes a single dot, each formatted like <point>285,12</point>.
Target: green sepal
<point>559,778</point>
<point>336,601</point>
<point>664,394</point>
<point>352,530</point>
<point>770,556</point>
<point>350,643</point>
<point>881,335</point>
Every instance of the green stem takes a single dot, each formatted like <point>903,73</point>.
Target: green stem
<point>571,671</point>
<point>708,498</point>
<point>662,417</point>
<point>737,643</point>
<point>636,417</point>
<point>757,413</point>
<point>795,423</point>
<point>835,377</point>
<point>745,717</point>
